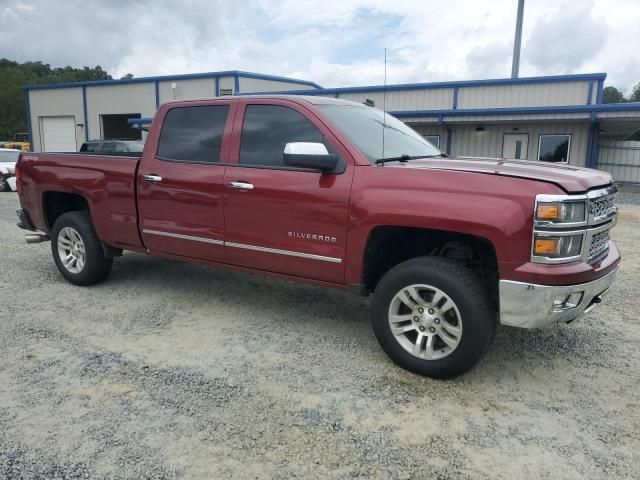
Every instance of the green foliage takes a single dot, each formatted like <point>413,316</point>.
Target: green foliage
<point>612,95</point>
<point>635,93</point>
<point>14,76</point>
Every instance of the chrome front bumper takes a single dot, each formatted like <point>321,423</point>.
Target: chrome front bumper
<point>527,305</point>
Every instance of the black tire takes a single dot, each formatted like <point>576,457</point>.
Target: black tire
<point>4,185</point>
<point>466,290</point>
<point>96,266</point>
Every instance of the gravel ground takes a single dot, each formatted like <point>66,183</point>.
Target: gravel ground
<point>629,194</point>
<point>172,370</point>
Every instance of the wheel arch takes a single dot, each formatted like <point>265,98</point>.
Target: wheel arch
<point>57,203</point>
<point>389,245</point>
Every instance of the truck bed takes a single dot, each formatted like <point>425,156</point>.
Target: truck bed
<point>106,181</point>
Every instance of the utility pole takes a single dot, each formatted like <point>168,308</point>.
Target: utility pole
<point>515,66</point>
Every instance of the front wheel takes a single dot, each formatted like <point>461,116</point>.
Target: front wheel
<point>433,316</point>
<point>77,250</point>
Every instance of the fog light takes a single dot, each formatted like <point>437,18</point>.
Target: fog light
<point>567,301</point>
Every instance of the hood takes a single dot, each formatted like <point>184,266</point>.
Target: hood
<point>570,178</point>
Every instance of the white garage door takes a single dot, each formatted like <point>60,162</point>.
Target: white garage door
<point>58,134</point>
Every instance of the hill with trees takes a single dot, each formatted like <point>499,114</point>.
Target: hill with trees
<point>14,76</point>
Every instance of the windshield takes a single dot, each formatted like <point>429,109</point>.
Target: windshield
<point>9,155</point>
<point>364,125</point>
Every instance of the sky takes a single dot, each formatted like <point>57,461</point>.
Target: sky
<point>332,42</point>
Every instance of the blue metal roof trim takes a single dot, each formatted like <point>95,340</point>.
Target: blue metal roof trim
<point>141,121</point>
<point>602,107</point>
<point>187,76</point>
<point>452,84</point>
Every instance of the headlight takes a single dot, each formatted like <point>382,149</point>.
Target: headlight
<point>560,246</point>
<point>561,212</point>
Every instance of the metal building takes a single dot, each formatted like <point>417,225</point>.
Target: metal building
<point>555,118</point>
<point>60,117</point>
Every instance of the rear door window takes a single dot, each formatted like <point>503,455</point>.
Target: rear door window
<point>193,134</point>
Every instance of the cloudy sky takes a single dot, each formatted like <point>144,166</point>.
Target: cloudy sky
<point>332,42</point>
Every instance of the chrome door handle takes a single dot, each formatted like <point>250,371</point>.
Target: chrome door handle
<point>152,178</point>
<point>240,186</point>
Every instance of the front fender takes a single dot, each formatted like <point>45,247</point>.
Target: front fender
<point>497,209</point>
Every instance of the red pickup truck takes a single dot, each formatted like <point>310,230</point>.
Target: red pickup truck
<point>337,194</point>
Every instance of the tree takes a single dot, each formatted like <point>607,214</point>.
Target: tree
<point>128,76</point>
<point>612,95</point>
<point>635,93</point>
<point>14,76</point>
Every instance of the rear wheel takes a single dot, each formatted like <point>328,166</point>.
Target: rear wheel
<point>433,316</point>
<point>4,184</point>
<point>77,250</point>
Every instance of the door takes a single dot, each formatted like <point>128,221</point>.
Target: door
<point>58,134</point>
<point>180,187</point>
<point>515,146</point>
<point>282,219</point>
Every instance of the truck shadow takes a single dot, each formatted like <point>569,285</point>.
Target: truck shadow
<point>244,291</point>
<point>288,301</point>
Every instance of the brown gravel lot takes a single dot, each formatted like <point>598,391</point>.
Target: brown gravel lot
<point>172,370</point>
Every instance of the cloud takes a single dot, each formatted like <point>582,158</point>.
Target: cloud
<point>566,38</point>
<point>492,60</point>
<point>335,42</point>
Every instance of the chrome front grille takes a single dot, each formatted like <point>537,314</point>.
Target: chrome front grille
<point>602,208</point>
<point>599,245</point>
<point>602,211</point>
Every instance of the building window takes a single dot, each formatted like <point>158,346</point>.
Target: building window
<point>554,148</point>
<point>433,140</point>
<point>226,92</point>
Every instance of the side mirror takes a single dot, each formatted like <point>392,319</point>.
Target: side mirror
<point>314,156</point>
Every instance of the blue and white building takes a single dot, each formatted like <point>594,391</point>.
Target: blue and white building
<point>558,119</point>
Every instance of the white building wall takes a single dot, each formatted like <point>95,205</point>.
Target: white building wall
<point>424,99</point>
<point>433,130</point>
<point>53,103</point>
<point>524,95</point>
<point>252,85</point>
<point>186,89</point>
<point>621,159</point>
<point>467,141</point>
<point>128,98</point>
<point>228,82</point>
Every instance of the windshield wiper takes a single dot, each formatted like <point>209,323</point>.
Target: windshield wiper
<point>401,158</point>
<point>406,158</point>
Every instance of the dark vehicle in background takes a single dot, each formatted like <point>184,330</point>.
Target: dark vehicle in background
<point>112,146</point>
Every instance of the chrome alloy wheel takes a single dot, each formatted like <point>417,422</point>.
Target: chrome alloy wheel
<point>71,250</point>
<point>425,321</point>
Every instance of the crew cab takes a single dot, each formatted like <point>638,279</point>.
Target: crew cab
<point>338,194</point>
